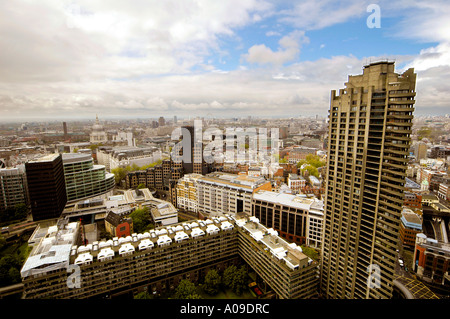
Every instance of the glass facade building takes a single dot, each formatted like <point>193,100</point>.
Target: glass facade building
<point>84,179</point>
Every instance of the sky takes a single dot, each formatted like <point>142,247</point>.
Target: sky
<point>74,59</point>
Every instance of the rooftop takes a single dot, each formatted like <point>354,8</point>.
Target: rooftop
<point>51,248</point>
<point>289,253</point>
<point>242,181</point>
<point>295,201</point>
<point>46,158</point>
<point>411,219</point>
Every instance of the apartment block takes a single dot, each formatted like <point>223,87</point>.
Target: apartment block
<point>187,195</point>
<point>158,257</point>
<point>368,146</point>
<point>222,193</point>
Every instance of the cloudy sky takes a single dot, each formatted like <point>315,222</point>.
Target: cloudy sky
<point>127,59</point>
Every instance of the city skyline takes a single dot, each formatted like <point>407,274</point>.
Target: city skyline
<point>209,59</point>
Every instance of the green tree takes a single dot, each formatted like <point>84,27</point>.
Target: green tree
<point>141,219</point>
<point>14,275</point>
<point>119,174</point>
<point>212,282</point>
<point>8,275</point>
<point>2,242</point>
<point>239,280</point>
<point>143,295</point>
<point>140,186</point>
<point>311,170</point>
<point>186,290</point>
<point>312,160</point>
<point>21,211</point>
<point>228,275</point>
<point>310,252</point>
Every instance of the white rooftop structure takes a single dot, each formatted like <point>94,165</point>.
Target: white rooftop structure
<point>52,247</point>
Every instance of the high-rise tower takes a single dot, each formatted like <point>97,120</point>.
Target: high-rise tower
<point>369,136</point>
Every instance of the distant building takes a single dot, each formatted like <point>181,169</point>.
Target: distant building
<point>46,186</point>
<point>161,121</point>
<point>299,153</point>
<point>123,156</point>
<point>125,137</point>
<point>13,188</point>
<point>187,195</point>
<point>296,183</point>
<point>420,150</point>
<point>98,134</point>
<point>440,152</point>
<point>444,191</point>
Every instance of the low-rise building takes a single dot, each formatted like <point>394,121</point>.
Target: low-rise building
<point>296,183</point>
<point>118,223</point>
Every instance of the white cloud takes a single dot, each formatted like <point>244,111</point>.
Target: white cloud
<point>121,59</point>
<point>318,14</point>
<point>289,50</point>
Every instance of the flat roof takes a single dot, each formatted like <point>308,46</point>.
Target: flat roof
<point>46,158</point>
<point>289,200</point>
<point>242,181</point>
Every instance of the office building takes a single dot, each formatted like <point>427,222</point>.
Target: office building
<point>84,179</point>
<point>46,186</point>
<point>297,219</point>
<point>368,148</point>
<point>13,187</point>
